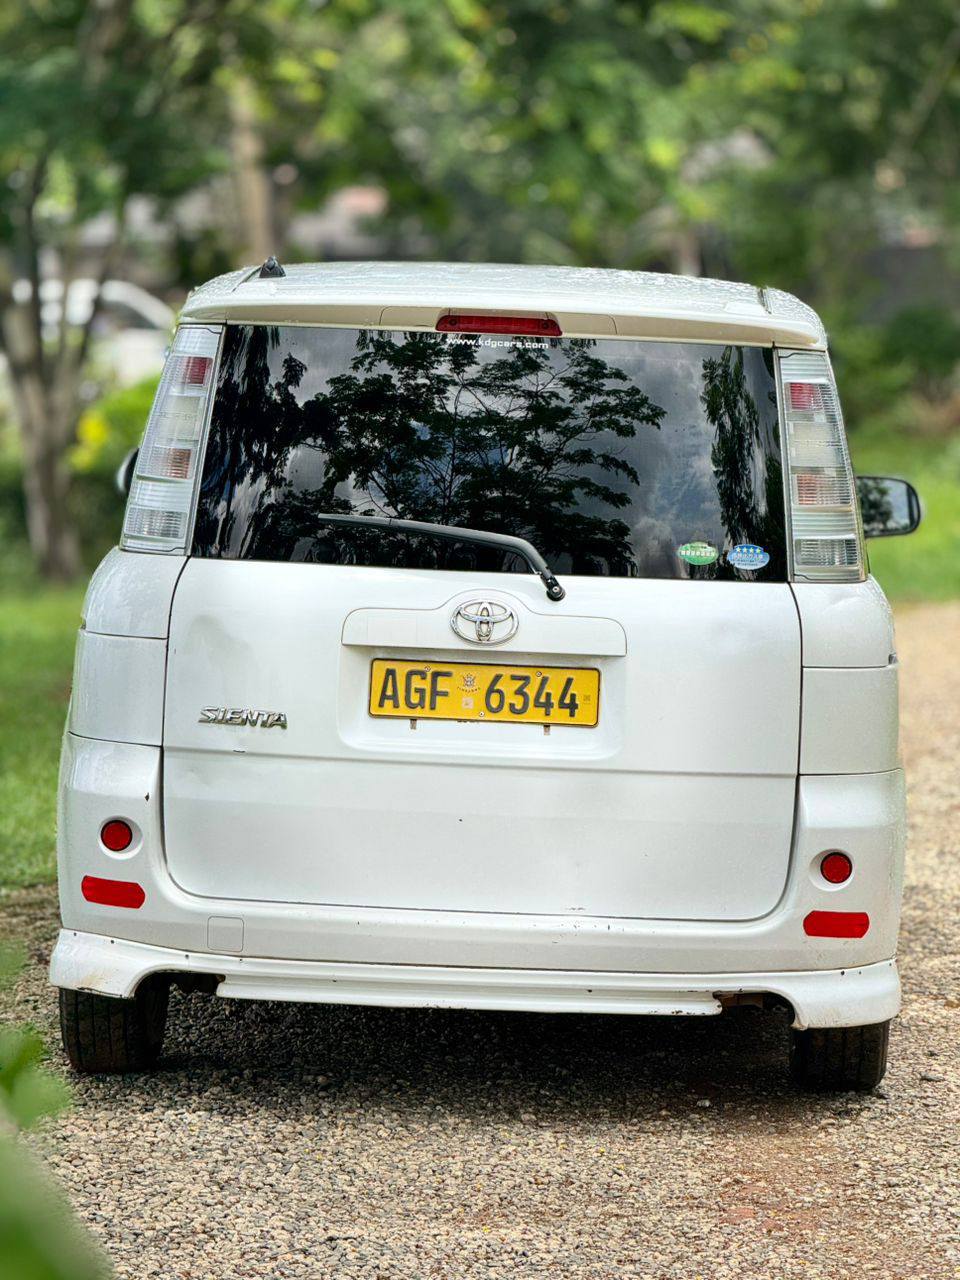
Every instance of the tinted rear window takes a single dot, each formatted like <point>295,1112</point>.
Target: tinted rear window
<point>609,455</point>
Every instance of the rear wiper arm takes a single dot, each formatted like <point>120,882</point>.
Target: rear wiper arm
<point>506,541</point>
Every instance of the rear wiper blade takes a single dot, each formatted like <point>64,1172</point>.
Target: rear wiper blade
<point>454,533</point>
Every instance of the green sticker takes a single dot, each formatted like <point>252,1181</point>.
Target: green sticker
<point>697,553</point>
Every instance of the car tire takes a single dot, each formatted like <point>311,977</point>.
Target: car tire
<point>839,1059</point>
<point>104,1034</point>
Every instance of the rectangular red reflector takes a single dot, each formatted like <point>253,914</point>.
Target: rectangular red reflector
<point>836,924</point>
<point>535,325</point>
<point>112,893</point>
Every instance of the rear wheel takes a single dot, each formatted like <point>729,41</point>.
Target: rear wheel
<point>106,1034</point>
<point>839,1059</point>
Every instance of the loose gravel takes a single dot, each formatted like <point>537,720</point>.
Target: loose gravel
<point>297,1141</point>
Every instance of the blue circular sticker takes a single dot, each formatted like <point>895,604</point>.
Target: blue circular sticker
<point>748,556</point>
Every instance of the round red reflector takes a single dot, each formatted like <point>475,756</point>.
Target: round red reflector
<point>116,835</point>
<point>836,867</point>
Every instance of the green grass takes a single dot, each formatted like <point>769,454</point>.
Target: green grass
<point>925,565</point>
<point>37,634</point>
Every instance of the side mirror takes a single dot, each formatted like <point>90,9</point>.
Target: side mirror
<point>889,507</point>
<point>124,476</point>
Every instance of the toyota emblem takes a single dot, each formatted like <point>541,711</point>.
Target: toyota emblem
<point>485,622</point>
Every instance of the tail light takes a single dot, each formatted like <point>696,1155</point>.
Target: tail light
<point>826,538</point>
<point>161,494</point>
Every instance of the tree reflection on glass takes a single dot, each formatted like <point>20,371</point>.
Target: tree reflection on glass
<point>427,429</point>
<point>749,475</point>
<point>876,505</point>
<point>606,454</point>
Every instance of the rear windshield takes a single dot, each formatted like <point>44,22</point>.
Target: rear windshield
<point>614,457</point>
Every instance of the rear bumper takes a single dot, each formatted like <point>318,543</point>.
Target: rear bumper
<point>828,998</point>
<point>863,814</point>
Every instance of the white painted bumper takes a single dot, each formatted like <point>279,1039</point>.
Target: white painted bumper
<point>828,998</point>
<point>367,955</point>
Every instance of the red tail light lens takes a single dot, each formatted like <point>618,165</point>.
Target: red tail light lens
<point>536,325</point>
<point>194,370</point>
<point>836,868</point>
<point>836,924</point>
<point>116,835</point>
<point>805,397</point>
<point>112,893</point>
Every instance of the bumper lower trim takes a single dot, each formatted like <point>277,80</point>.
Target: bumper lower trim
<point>823,998</point>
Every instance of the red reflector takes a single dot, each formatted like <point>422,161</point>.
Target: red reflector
<point>500,324</point>
<point>836,924</point>
<point>116,835</point>
<point>836,867</point>
<point>112,893</point>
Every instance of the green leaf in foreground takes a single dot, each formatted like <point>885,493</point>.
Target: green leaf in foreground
<point>39,1239</point>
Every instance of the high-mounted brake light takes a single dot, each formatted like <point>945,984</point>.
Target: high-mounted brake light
<point>161,494</point>
<point>539,326</point>
<point>826,538</point>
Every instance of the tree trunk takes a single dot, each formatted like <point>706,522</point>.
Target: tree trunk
<point>687,259</point>
<point>254,186</point>
<point>46,429</point>
<point>45,376</point>
<point>53,535</point>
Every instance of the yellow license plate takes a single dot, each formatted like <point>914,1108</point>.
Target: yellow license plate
<point>482,691</point>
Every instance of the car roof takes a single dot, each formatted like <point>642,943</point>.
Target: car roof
<point>585,300</point>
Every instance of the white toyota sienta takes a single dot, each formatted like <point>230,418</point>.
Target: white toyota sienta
<point>489,637</point>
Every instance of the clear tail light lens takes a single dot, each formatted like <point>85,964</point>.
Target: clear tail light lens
<point>161,495</point>
<point>826,538</point>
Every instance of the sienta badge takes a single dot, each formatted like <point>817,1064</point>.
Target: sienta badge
<point>747,556</point>
<point>697,553</point>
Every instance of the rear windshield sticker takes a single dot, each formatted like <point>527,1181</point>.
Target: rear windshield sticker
<point>697,553</point>
<point>748,556</point>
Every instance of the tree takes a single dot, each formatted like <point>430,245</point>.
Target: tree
<point>105,102</point>
<point>530,131</point>
<point>852,110</point>
<point>769,139</point>
<point>102,102</point>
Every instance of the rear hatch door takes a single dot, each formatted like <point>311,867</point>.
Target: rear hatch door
<point>303,762</point>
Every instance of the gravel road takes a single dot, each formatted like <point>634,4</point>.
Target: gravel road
<point>307,1142</point>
